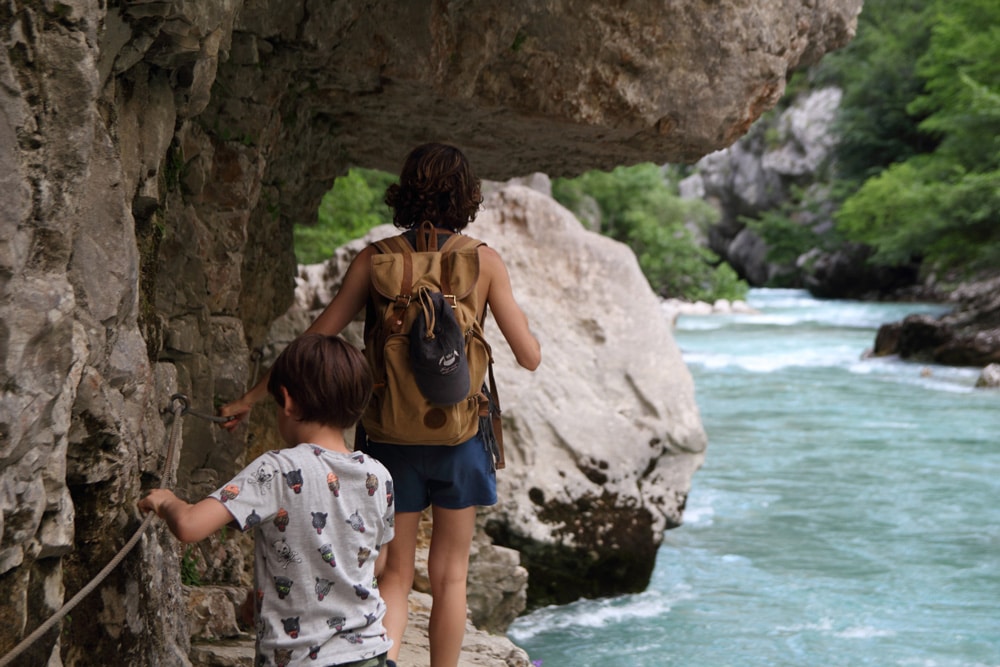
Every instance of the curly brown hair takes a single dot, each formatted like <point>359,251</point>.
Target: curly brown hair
<point>437,184</point>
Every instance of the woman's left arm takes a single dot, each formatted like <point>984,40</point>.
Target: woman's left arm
<point>350,298</point>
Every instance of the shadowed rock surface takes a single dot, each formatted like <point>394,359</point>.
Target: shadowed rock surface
<point>967,336</point>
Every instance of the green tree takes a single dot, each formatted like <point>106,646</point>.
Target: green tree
<point>942,206</point>
<point>878,75</point>
<point>639,208</point>
<point>962,73</point>
<point>928,210</point>
<point>353,206</point>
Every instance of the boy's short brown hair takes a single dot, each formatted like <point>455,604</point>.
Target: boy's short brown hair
<point>437,184</point>
<point>327,377</point>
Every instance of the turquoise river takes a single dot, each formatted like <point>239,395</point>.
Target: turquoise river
<point>847,514</point>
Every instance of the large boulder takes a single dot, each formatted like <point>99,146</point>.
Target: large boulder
<point>969,335</point>
<point>602,440</point>
<point>605,436</point>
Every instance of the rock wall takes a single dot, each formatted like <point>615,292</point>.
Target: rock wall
<point>756,175</point>
<point>760,174</point>
<point>154,156</point>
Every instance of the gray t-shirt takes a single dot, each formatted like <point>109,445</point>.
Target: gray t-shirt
<point>320,518</point>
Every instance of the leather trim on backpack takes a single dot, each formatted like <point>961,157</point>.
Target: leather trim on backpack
<point>388,267</point>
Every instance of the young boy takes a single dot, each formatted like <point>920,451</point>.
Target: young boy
<point>320,514</point>
<point>437,184</point>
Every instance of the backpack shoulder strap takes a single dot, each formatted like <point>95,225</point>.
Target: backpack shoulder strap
<point>458,241</point>
<point>399,244</point>
<point>393,244</point>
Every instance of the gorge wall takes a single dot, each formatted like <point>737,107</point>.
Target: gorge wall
<point>760,173</point>
<point>154,155</point>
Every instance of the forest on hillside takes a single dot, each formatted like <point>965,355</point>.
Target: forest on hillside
<point>914,175</point>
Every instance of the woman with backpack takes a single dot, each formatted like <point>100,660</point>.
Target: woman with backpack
<point>436,184</point>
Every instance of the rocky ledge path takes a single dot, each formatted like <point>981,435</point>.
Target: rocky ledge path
<point>480,649</point>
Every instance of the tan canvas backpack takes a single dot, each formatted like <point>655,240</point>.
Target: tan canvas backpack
<point>398,412</point>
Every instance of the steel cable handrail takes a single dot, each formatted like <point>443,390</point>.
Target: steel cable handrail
<point>179,409</point>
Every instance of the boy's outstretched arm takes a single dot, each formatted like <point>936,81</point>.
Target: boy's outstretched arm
<point>188,523</point>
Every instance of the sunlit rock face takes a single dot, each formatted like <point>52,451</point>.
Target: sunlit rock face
<point>757,173</point>
<point>154,157</point>
<point>788,153</point>
<point>603,439</point>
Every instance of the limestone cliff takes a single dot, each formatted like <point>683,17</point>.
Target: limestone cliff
<point>154,156</point>
<point>760,173</point>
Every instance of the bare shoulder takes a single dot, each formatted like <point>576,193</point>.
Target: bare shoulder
<point>362,261</point>
<point>489,259</point>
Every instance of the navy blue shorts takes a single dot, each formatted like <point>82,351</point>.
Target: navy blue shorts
<point>450,476</point>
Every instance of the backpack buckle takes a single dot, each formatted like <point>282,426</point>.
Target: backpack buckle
<point>450,298</point>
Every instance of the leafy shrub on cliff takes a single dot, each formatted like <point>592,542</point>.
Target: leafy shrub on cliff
<point>798,226</point>
<point>940,213</point>
<point>639,207</point>
<point>354,205</point>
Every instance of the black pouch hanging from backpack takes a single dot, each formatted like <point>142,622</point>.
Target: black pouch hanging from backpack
<point>437,351</point>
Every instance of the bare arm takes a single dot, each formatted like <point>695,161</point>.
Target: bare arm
<point>510,318</point>
<point>188,523</point>
<point>383,556</point>
<point>350,299</point>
